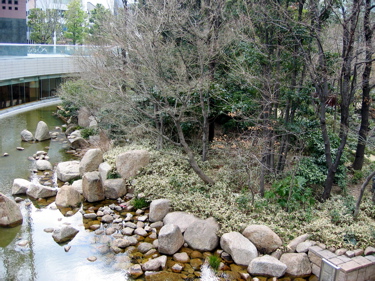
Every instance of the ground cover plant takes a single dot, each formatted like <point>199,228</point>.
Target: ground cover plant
<point>169,176</point>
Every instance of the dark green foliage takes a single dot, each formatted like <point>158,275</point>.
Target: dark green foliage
<point>214,262</point>
<point>113,175</point>
<point>291,193</point>
<point>139,203</point>
<point>314,167</point>
<point>87,132</point>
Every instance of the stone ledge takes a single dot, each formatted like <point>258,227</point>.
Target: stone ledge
<point>355,268</point>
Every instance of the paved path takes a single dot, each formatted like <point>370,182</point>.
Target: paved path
<point>28,106</point>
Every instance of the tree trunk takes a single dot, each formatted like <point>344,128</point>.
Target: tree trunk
<point>363,187</point>
<point>205,126</point>
<point>193,163</point>
<point>366,88</point>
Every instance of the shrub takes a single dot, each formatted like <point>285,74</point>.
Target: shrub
<point>291,193</point>
<point>139,203</point>
<point>214,262</point>
<point>87,132</point>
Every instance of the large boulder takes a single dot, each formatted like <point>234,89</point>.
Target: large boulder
<point>40,191</point>
<point>78,143</point>
<point>114,188</point>
<point>42,131</point>
<point>170,239</point>
<point>298,264</point>
<point>239,247</point>
<point>10,213</point>
<point>267,266</point>
<point>181,219</point>
<point>90,161</point>
<point>104,170</point>
<point>77,185</point>
<point>84,117</point>
<point>42,165</point>
<point>67,171</point>
<point>201,235</point>
<point>264,239</point>
<point>129,163</point>
<point>26,135</point>
<point>20,186</point>
<point>64,234</point>
<point>92,187</point>
<point>158,209</point>
<point>67,196</point>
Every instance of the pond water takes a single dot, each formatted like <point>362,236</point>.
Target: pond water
<point>42,258</point>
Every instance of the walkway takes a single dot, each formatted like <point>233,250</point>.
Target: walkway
<point>28,106</point>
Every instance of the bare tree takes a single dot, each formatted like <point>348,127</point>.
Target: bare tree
<point>172,48</point>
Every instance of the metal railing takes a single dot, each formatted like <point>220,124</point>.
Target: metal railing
<point>7,49</point>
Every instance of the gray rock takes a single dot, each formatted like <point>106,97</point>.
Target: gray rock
<point>140,231</point>
<point>64,234</point>
<point>304,246</point>
<point>104,169</point>
<point>114,188</point>
<point>293,244</point>
<point>107,219</point>
<point>170,239</point>
<point>239,247</point>
<point>42,165</point>
<point>92,187</point>
<point>41,191</point>
<point>369,251</point>
<point>26,135</point>
<point>127,231</point>
<point>264,239</point>
<point>158,224</point>
<point>298,264</point>
<point>90,216</point>
<point>129,163</point>
<point>84,117</point>
<point>155,264</point>
<point>67,196</point>
<point>181,257</point>
<point>42,132</point>
<point>201,235</point>
<point>144,247</point>
<point>67,171</point>
<point>10,213</point>
<point>135,271</point>
<point>181,219</point>
<point>78,142</point>
<point>20,186</point>
<point>266,266</point>
<point>158,209</point>
<point>77,185</point>
<point>90,161</point>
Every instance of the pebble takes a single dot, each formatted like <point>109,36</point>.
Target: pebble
<point>48,230</point>
<point>67,248</point>
<point>92,258</point>
<point>18,199</point>
<point>23,243</point>
<point>20,148</point>
<point>5,154</point>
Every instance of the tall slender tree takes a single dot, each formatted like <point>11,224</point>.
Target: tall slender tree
<point>75,22</point>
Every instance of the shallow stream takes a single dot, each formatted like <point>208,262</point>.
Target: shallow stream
<point>42,258</point>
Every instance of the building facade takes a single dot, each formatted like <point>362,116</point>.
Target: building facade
<point>13,21</point>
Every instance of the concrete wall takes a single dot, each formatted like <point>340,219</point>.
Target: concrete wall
<point>13,68</point>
